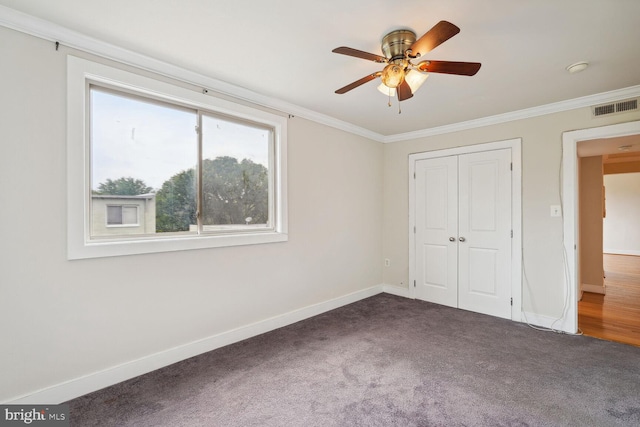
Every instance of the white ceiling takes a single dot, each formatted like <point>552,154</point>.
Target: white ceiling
<point>282,49</point>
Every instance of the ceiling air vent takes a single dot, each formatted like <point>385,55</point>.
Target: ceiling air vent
<point>615,107</point>
<point>631,104</point>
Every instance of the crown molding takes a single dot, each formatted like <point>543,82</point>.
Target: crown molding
<point>43,29</point>
<point>556,107</point>
<point>46,30</point>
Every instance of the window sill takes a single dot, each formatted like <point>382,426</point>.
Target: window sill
<point>110,248</point>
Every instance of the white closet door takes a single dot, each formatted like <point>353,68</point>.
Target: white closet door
<point>463,231</point>
<point>484,228</point>
<point>436,259</point>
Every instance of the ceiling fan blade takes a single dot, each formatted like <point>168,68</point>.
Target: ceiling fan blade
<point>404,91</point>
<point>450,67</point>
<point>357,83</point>
<point>359,54</point>
<point>440,33</point>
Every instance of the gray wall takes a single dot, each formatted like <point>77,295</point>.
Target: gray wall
<point>61,319</point>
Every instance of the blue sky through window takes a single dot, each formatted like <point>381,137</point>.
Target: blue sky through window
<point>153,141</point>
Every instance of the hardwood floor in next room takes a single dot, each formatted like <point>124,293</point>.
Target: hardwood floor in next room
<point>616,315</point>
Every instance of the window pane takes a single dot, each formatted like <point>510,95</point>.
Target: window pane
<point>114,215</point>
<point>129,214</point>
<point>235,174</point>
<point>144,153</point>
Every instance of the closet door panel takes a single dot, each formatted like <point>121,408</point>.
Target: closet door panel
<point>484,242</point>
<point>436,261</point>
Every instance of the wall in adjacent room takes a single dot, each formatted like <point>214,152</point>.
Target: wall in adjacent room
<point>591,209</point>
<point>622,224</point>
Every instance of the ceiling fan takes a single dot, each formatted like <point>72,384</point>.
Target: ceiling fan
<point>400,47</point>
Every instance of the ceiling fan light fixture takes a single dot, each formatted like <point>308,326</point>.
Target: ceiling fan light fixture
<point>386,90</point>
<point>415,79</point>
<point>401,77</point>
<point>392,75</point>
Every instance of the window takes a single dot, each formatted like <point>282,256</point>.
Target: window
<point>155,167</point>
<point>122,215</point>
<point>209,172</point>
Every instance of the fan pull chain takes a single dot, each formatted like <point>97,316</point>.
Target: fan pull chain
<point>389,104</point>
<point>399,110</point>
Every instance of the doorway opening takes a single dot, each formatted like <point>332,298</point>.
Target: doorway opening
<point>609,209</point>
<point>601,285</point>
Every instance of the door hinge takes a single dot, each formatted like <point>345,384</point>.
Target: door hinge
<point>414,175</point>
<point>512,234</point>
<point>414,283</point>
<point>414,229</point>
<point>511,166</point>
<point>511,301</point>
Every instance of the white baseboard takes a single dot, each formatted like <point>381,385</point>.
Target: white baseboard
<point>558,324</point>
<point>596,289</point>
<point>86,384</point>
<point>622,252</point>
<point>396,290</point>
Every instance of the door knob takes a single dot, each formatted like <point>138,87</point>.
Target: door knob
<point>452,239</point>
<point>462,239</point>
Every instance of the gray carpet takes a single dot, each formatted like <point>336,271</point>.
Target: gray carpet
<point>385,361</point>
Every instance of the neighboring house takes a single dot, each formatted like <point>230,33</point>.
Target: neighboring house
<point>118,215</point>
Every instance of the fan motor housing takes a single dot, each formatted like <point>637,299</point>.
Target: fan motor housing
<point>396,43</point>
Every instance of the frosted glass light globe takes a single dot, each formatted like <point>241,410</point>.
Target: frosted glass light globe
<point>392,75</point>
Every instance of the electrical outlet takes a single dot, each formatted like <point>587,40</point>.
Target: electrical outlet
<point>556,210</point>
<point>387,262</point>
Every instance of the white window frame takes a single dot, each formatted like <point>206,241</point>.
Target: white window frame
<point>80,73</point>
